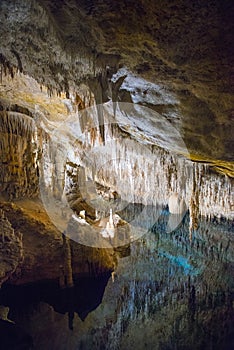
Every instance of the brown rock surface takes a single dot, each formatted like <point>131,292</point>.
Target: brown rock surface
<point>174,57</point>
<point>11,250</point>
<point>183,47</point>
<point>43,248</point>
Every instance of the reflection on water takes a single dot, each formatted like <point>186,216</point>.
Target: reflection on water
<point>170,291</point>
<point>83,298</point>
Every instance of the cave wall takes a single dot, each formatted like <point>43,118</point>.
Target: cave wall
<point>11,248</point>
<point>184,53</point>
<point>19,155</point>
<point>32,249</point>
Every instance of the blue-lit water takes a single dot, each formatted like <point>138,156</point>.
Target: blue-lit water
<point>169,291</point>
<point>180,261</point>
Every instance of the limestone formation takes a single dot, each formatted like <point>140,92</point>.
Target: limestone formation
<point>158,76</point>
<point>11,249</point>
<point>116,159</point>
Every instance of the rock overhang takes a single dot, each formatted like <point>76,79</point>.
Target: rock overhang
<point>178,59</point>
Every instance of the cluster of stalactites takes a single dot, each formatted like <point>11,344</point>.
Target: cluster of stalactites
<point>149,175</point>
<point>17,124</point>
<point>19,155</point>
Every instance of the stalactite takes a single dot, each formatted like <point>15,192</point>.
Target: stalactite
<point>194,201</point>
<point>67,262</point>
<point>16,123</point>
<point>156,184</point>
<point>138,172</point>
<point>6,67</point>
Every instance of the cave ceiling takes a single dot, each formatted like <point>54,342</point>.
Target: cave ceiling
<point>175,57</point>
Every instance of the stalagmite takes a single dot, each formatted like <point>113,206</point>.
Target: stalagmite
<point>176,204</point>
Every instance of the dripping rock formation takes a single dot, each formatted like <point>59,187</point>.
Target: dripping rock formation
<point>166,84</point>
<point>163,90</point>
<point>113,116</point>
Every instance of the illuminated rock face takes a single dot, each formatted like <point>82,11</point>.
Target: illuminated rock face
<point>177,59</point>
<point>174,58</point>
<point>19,155</point>
<point>138,172</point>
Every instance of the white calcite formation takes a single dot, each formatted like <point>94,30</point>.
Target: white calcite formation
<point>138,171</point>
<point>149,169</point>
<point>176,204</point>
<point>134,152</point>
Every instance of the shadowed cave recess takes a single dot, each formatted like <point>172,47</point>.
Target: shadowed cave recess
<point>116,175</point>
